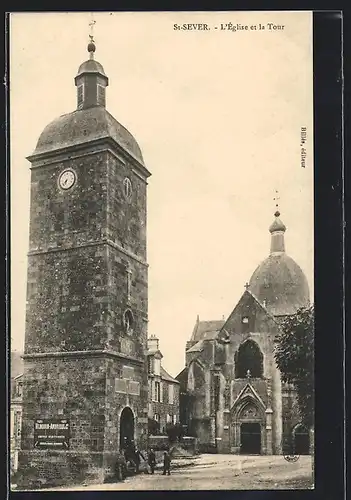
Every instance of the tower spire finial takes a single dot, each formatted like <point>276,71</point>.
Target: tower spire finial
<point>276,199</point>
<point>277,229</point>
<point>91,44</point>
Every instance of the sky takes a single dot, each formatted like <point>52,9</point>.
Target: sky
<point>218,116</point>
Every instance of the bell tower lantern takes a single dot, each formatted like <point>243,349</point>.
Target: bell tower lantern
<point>91,81</point>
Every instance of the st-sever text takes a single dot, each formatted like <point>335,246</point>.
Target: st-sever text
<point>235,27</point>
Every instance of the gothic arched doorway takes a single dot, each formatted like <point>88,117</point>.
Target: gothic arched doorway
<point>249,421</point>
<point>126,428</point>
<point>301,440</point>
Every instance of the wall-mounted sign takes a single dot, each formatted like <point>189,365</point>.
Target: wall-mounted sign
<point>51,433</point>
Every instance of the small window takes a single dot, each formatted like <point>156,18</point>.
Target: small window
<point>19,389</point>
<point>170,394</point>
<point>157,366</point>
<point>157,391</point>
<point>127,185</point>
<point>80,96</point>
<point>174,419</point>
<point>150,365</point>
<point>245,327</point>
<point>157,417</point>
<point>128,321</point>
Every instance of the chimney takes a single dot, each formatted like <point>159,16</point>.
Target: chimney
<point>153,343</point>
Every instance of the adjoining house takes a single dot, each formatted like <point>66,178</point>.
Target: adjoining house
<point>163,405</point>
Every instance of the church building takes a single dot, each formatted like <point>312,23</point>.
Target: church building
<point>85,381</point>
<point>231,394</point>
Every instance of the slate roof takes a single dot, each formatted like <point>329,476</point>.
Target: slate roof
<point>85,125</point>
<point>206,329</point>
<point>196,347</point>
<point>91,66</point>
<point>166,376</point>
<point>280,285</point>
<point>152,352</point>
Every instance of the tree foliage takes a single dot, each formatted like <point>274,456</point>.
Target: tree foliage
<point>174,432</point>
<point>294,355</point>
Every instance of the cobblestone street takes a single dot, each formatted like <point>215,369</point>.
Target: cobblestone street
<point>220,472</point>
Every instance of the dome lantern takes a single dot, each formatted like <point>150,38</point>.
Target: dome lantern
<point>91,81</point>
<point>277,230</point>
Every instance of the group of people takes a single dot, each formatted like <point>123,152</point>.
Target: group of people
<point>133,455</point>
<point>166,462</point>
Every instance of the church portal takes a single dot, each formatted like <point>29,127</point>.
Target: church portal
<point>250,438</point>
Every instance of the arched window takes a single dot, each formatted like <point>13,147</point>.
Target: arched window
<point>127,184</point>
<point>128,321</point>
<point>249,361</point>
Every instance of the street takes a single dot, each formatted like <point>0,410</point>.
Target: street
<point>221,472</point>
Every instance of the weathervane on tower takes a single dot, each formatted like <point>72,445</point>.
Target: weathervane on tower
<point>91,45</point>
<point>276,199</point>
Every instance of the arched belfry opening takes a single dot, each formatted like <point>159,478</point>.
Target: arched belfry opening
<point>301,440</point>
<point>249,360</point>
<point>126,428</point>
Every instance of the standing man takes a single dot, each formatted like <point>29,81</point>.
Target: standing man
<point>152,460</point>
<point>166,463</point>
<point>137,455</point>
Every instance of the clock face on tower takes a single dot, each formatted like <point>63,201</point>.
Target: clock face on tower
<point>67,179</point>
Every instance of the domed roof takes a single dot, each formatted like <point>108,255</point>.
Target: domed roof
<point>280,284</point>
<point>85,125</point>
<point>91,66</point>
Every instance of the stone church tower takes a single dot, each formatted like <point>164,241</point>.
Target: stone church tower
<point>85,373</point>
<point>231,384</point>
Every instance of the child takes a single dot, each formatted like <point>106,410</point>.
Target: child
<point>166,463</point>
<point>152,460</point>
